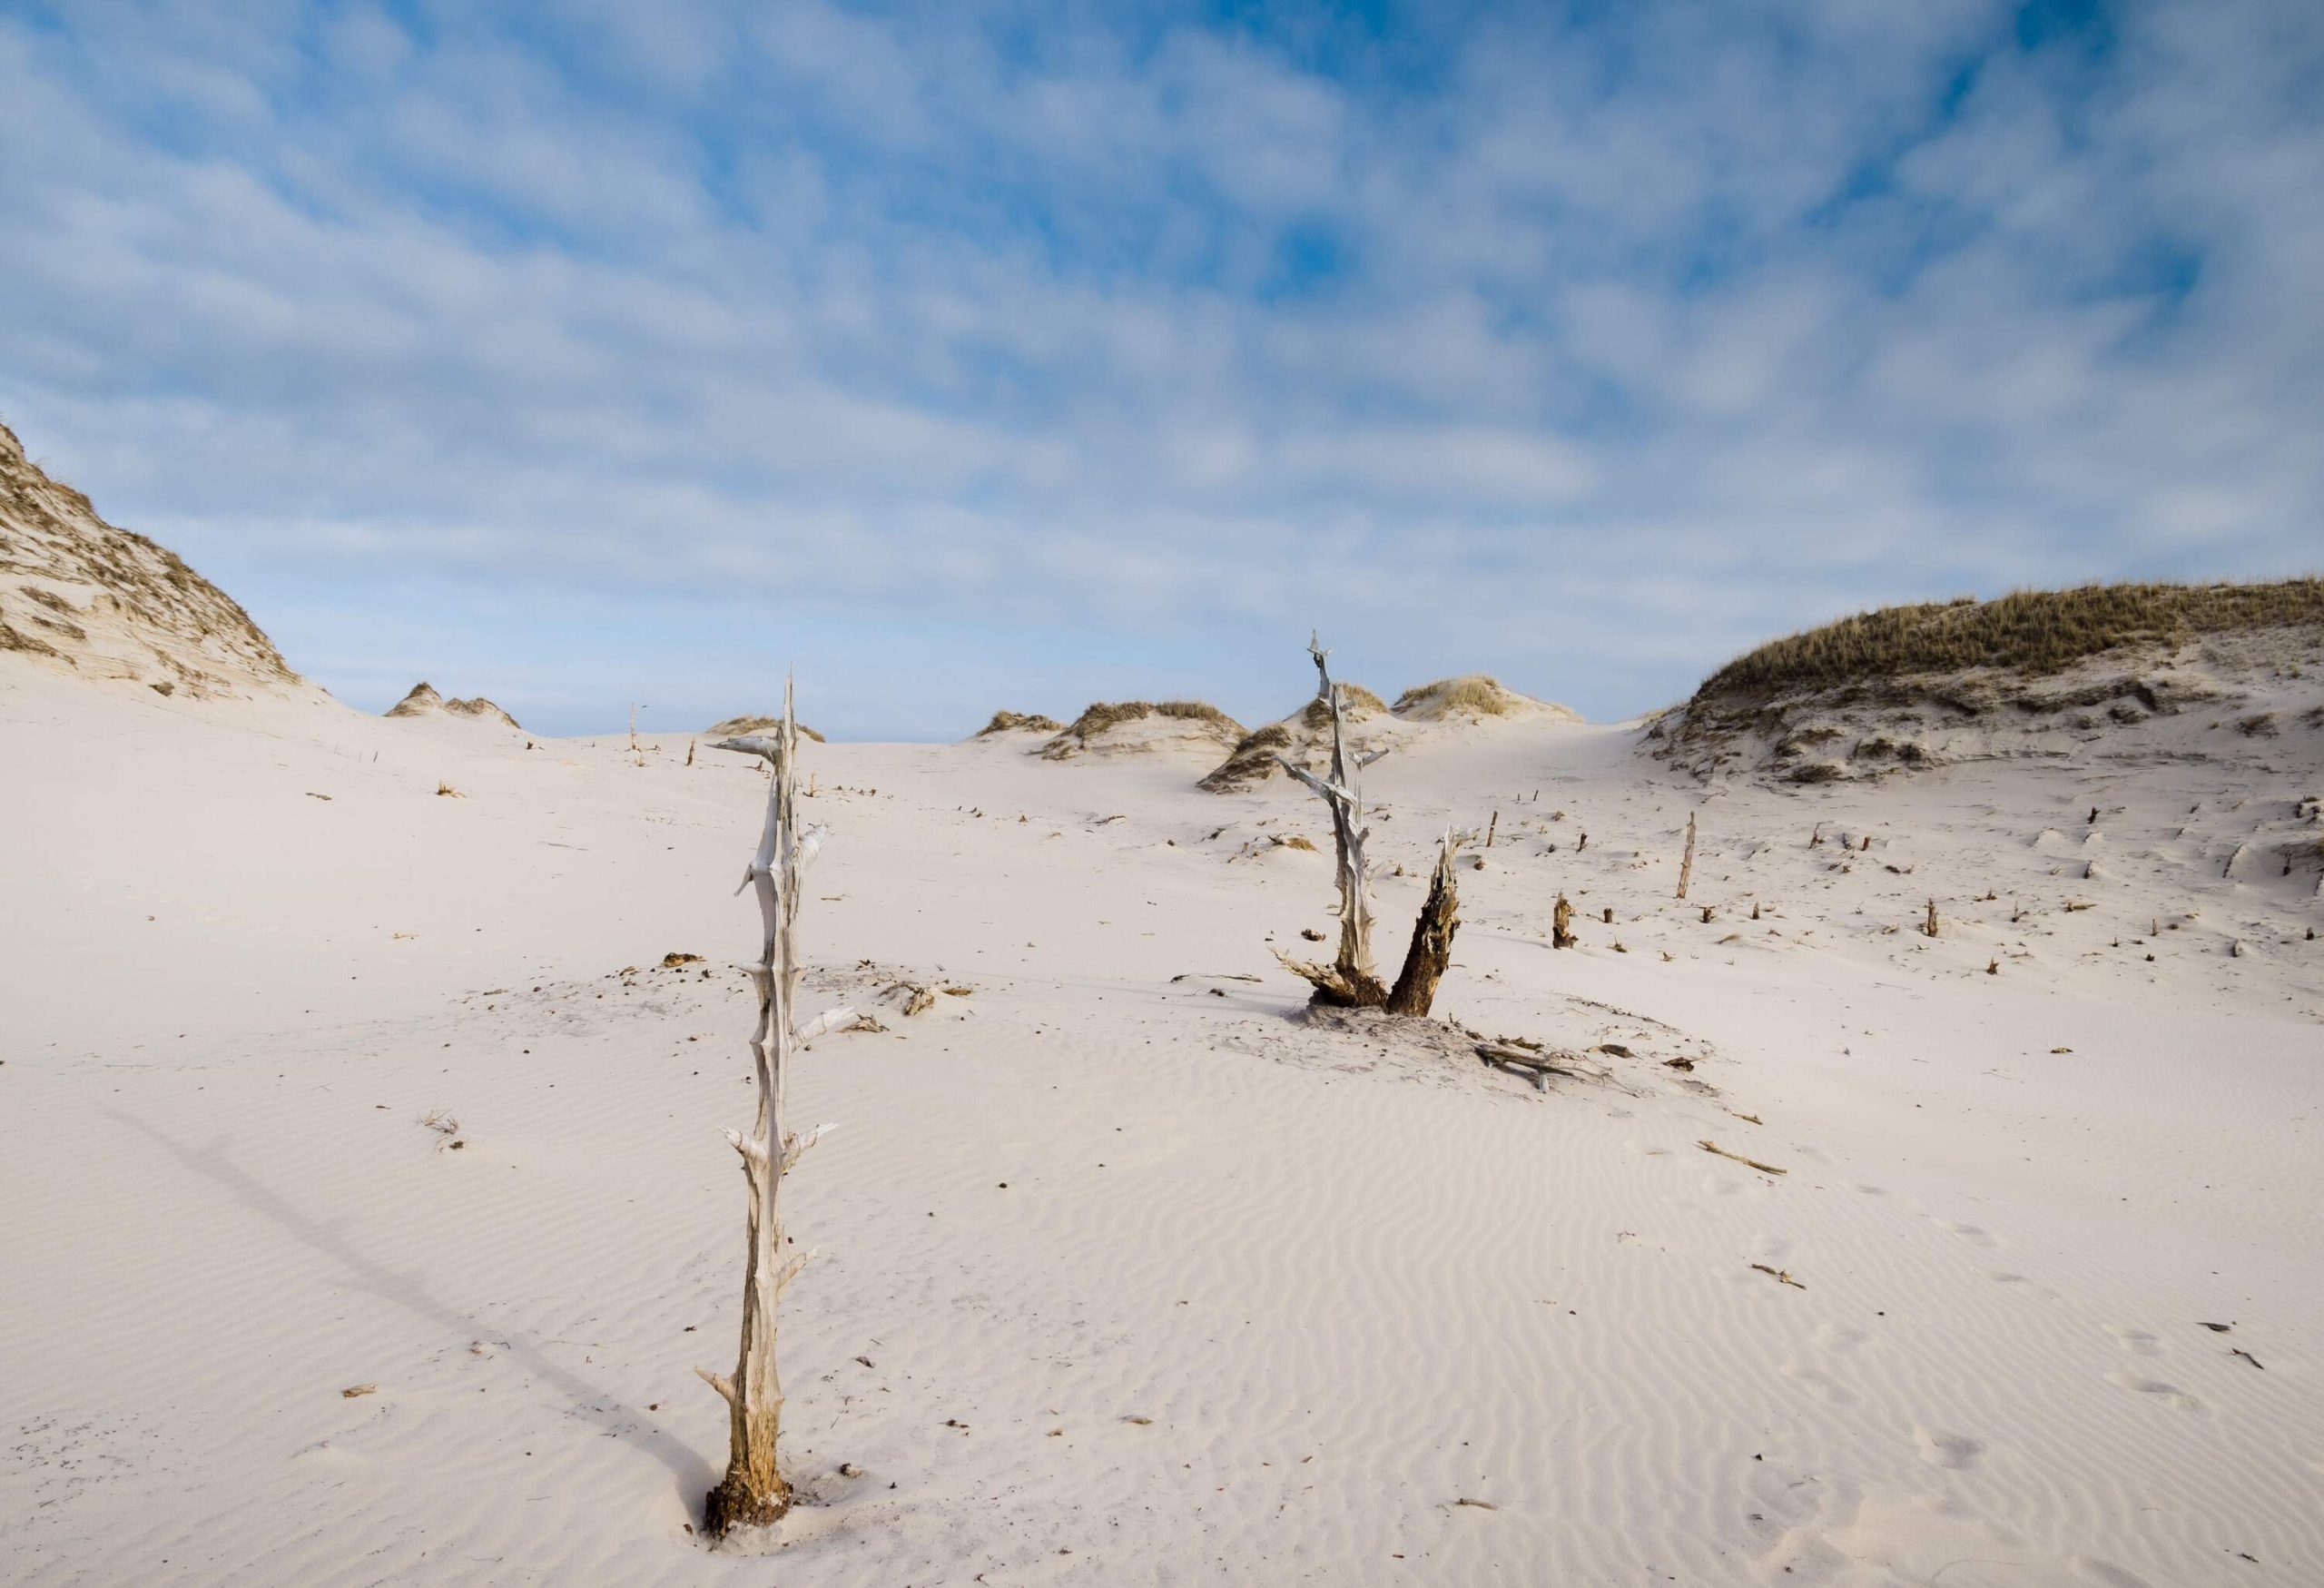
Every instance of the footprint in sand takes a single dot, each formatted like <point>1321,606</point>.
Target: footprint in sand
<point>2111,1576</point>
<point>2137,1342</point>
<point>1825,1385</point>
<point>1955,1451</point>
<point>2171,1393</point>
<point>1968,1232</point>
<point>1832,1336</point>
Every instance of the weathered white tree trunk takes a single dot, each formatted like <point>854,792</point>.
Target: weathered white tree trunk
<point>1350,979</point>
<point>1687,865</point>
<point>753,1493</point>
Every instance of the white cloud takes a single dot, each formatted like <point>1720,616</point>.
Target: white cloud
<point>1652,334</point>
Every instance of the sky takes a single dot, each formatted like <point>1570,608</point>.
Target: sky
<point>966,356</point>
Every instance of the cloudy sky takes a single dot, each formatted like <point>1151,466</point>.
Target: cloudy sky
<point>971,356</point>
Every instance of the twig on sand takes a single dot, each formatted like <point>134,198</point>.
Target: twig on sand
<point>1783,1275</point>
<point>1753,1162</point>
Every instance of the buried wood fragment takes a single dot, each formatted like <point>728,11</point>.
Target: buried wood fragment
<point>1540,1064</point>
<point>1782,1276</point>
<point>1477,1504</point>
<point>910,997</point>
<point>2239,1351</point>
<point>1714,1147</point>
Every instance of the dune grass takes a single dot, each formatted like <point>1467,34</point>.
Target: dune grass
<point>1004,721</point>
<point>1356,701</point>
<point>2031,631</point>
<point>1103,714</point>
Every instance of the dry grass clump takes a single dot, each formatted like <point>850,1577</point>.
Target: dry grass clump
<point>2030,631</point>
<point>1252,758</point>
<point>1356,702</point>
<point>760,725</point>
<point>1470,695</point>
<point>1009,722</point>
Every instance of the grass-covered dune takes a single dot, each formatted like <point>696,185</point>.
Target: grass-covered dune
<point>2028,631</point>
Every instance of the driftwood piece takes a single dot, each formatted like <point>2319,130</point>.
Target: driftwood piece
<point>1687,864</point>
<point>1431,945</point>
<point>753,1493</point>
<point>1350,979</point>
<point>1749,1162</point>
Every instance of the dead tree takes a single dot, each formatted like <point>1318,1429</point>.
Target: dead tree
<point>1562,925</point>
<point>1349,981</point>
<point>1928,927</point>
<point>1687,865</point>
<point>753,1493</point>
<point>1431,945</point>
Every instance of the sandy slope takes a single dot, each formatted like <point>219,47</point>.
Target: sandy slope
<point>1352,1283</point>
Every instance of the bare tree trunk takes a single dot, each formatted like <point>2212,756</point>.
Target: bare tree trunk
<point>754,1493</point>
<point>1431,945</point>
<point>1928,927</point>
<point>1562,925</point>
<point>1687,865</point>
<point>1350,979</point>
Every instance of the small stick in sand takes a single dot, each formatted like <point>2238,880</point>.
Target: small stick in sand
<point>1687,864</point>
<point>1783,1275</point>
<point>1739,1158</point>
<point>1491,827</point>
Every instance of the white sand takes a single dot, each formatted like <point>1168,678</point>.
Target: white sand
<point>1351,1284</point>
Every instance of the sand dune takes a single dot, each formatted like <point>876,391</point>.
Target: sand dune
<point>83,597</point>
<point>1108,730</point>
<point>363,1214</point>
<point>423,701</point>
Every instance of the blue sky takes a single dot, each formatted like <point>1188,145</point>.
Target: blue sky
<point>972,356</point>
